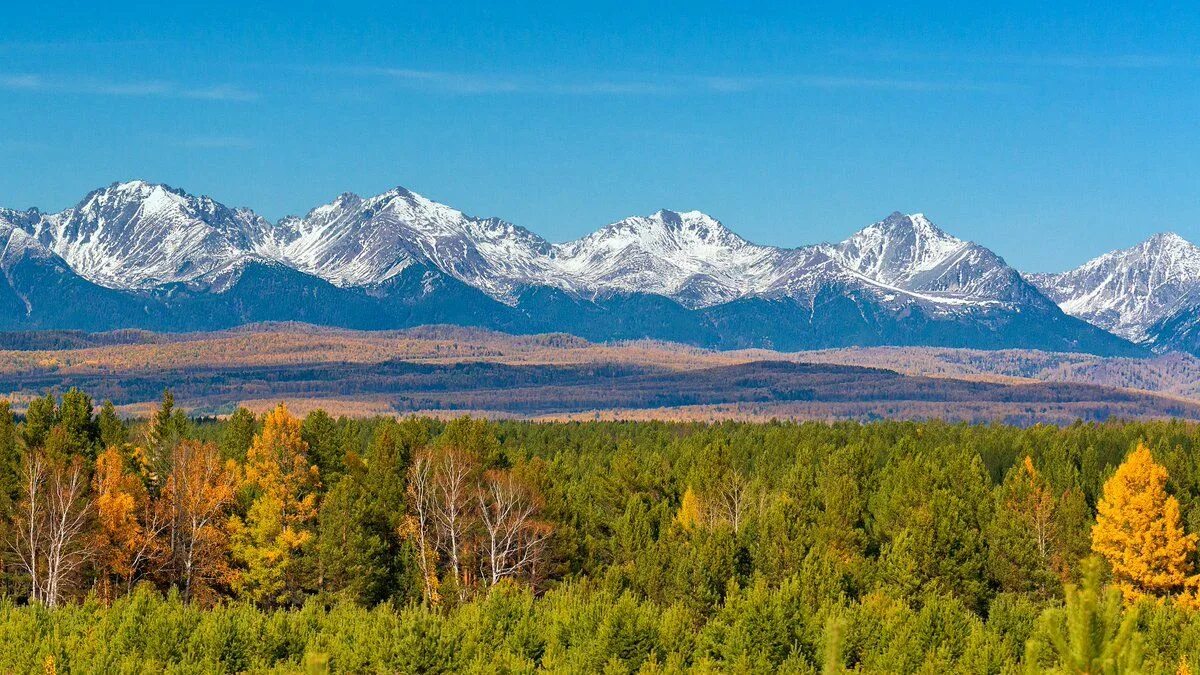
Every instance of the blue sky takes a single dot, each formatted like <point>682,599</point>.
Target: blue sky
<point>1050,132</point>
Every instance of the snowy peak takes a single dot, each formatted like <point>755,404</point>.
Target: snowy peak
<point>687,255</point>
<point>667,233</point>
<point>363,242</point>
<point>1166,240</point>
<point>898,248</point>
<point>138,235</point>
<point>16,243</point>
<point>1129,290</point>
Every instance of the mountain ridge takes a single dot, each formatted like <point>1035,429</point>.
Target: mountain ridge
<point>901,280</point>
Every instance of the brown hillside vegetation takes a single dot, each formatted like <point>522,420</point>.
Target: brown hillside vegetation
<point>449,371</point>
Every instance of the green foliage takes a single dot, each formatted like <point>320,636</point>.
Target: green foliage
<point>1092,634</point>
<point>40,416</point>
<point>238,434</point>
<point>110,428</point>
<point>806,547</point>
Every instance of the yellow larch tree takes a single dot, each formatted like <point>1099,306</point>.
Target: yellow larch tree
<point>691,514</point>
<point>1139,531</point>
<point>280,520</point>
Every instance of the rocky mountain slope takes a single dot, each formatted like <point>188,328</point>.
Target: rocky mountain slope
<point>1129,291</point>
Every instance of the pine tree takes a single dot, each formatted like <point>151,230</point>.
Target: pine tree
<point>40,416</point>
<point>75,414</point>
<point>1091,635</point>
<point>1023,537</point>
<point>10,458</point>
<point>239,434</point>
<point>1139,532</point>
<point>165,425</point>
<point>320,432</point>
<point>165,431</point>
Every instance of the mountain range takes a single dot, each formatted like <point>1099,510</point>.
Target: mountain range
<point>145,255</point>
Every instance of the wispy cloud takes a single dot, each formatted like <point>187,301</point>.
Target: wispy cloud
<point>72,45</point>
<point>898,84</point>
<point>468,83</point>
<point>20,81</point>
<point>480,84</point>
<point>1095,61</point>
<point>133,88</point>
<point>1126,61</point>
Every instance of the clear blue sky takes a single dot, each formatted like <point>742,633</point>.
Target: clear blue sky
<point>1050,132</point>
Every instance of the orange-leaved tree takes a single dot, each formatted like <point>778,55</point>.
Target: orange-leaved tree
<point>199,492</point>
<point>1139,531</point>
<point>128,538</point>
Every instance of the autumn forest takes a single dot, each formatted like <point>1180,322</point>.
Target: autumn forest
<point>282,543</point>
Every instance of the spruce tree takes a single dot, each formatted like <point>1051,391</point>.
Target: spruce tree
<point>111,429</point>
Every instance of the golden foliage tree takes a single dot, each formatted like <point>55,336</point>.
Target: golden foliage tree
<point>1139,532</point>
<point>280,520</point>
<point>198,494</point>
<point>129,525</point>
<point>691,514</point>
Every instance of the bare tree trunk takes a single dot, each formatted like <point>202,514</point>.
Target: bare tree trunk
<point>420,492</point>
<point>514,539</point>
<point>451,477</point>
<point>28,525</point>
<point>51,520</point>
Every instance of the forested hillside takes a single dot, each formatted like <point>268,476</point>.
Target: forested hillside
<point>285,544</point>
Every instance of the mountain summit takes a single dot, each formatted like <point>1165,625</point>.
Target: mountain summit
<point>138,235</point>
<point>1130,290</point>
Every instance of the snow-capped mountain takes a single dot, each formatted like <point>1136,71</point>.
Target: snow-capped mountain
<point>1129,291</point>
<point>912,254</point>
<point>17,242</point>
<point>170,259</point>
<point>38,289</point>
<point>695,260</point>
<point>689,257</point>
<point>139,235</point>
<point>363,242</point>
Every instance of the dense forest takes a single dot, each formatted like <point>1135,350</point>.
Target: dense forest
<point>282,544</point>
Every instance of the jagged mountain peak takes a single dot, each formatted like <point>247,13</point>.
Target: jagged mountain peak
<point>898,248</point>
<point>1159,247</point>
<point>900,280</point>
<point>909,229</point>
<point>16,243</point>
<point>1128,291</point>
<point>150,195</point>
<point>663,230</point>
<point>1166,239</point>
<point>138,234</point>
<point>356,241</point>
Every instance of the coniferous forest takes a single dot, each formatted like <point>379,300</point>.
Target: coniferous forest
<point>276,543</point>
